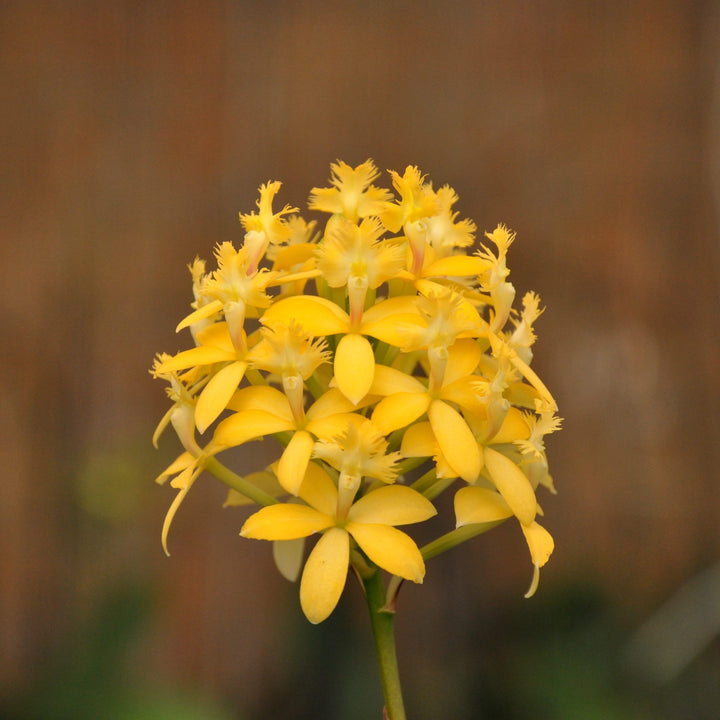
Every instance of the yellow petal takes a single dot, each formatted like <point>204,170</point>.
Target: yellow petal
<point>288,557</point>
<point>316,315</point>
<point>319,490</point>
<point>387,381</point>
<point>293,255</point>
<point>248,425</point>
<point>397,330</point>
<point>389,548</point>
<point>331,426</point>
<point>285,521</point>
<point>180,463</point>
<point>522,395</point>
<point>202,355</point>
<point>354,366</point>
<point>392,505</point>
<point>514,427</point>
<point>513,485</point>
<point>479,505</point>
<point>456,441</point>
<point>216,395</point>
<point>463,357</point>
<point>399,410</point>
<point>457,266</point>
<point>201,313</point>
<point>262,397</point>
<point>391,320</point>
<point>401,305</point>
<point>294,461</point>
<point>541,546</point>
<point>216,335</point>
<point>324,576</point>
<point>331,402</point>
<point>540,542</point>
<point>183,482</point>
<point>419,441</point>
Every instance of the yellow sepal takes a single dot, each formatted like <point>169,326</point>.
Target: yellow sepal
<point>513,485</point>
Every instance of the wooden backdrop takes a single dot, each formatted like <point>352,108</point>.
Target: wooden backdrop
<point>132,135</point>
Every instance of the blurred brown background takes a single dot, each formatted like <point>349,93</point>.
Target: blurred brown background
<point>133,133</point>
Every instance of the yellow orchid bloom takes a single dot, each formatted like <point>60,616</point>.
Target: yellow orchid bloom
<point>354,362</point>
<point>353,196</point>
<point>378,349</point>
<point>370,522</point>
<point>215,346</point>
<point>265,228</point>
<point>264,410</point>
<point>444,234</point>
<point>417,200</point>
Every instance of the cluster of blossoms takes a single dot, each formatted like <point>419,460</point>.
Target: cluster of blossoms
<point>387,361</point>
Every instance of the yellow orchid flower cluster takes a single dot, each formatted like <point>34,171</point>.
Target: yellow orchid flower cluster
<point>390,365</point>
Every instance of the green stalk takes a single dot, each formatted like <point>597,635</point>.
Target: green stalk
<point>455,537</point>
<point>383,625</point>
<point>236,482</point>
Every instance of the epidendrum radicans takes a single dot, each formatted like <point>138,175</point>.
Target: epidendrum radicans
<point>387,360</point>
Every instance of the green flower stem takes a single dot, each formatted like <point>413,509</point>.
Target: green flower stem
<point>234,481</point>
<point>456,537</point>
<point>408,464</point>
<point>383,625</point>
<point>425,481</point>
<point>438,487</point>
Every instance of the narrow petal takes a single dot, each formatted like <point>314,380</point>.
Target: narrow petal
<point>294,461</point>
<point>292,255</point>
<point>317,315</point>
<point>386,320</point>
<point>285,521</point>
<point>457,266</point>
<point>319,490</point>
<point>463,357</point>
<point>182,462</point>
<point>419,441</point>
<point>331,402</point>
<point>323,579</point>
<point>201,313</point>
<point>479,505</point>
<point>399,410</point>
<point>248,425</point>
<point>389,548</point>
<point>392,505</point>
<point>514,427</point>
<point>262,397</point>
<point>183,482</point>
<point>513,485</point>
<point>202,355</point>
<point>216,395</point>
<point>288,557</point>
<point>456,440</point>
<point>397,330</point>
<point>387,381</point>
<point>540,542</point>
<point>541,546</point>
<point>329,427</point>
<point>354,366</point>
<point>401,305</point>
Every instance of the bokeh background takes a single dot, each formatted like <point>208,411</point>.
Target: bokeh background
<point>133,133</point>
